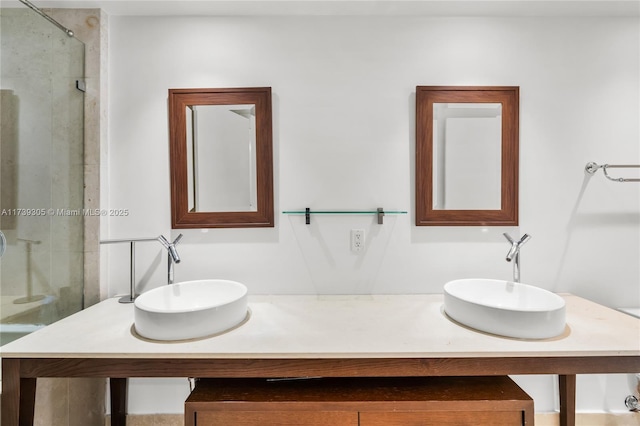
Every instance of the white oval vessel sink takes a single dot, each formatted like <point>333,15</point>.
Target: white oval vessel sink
<point>505,308</point>
<point>190,309</point>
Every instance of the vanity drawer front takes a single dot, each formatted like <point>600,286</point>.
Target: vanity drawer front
<point>365,401</point>
<point>276,418</point>
<point>443,418</point>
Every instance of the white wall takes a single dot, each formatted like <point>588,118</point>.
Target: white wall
<point>344,107</point>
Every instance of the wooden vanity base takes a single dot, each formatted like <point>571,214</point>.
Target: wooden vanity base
<point>370,401</point>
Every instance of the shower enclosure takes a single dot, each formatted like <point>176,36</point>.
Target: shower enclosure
<point>41,172</point>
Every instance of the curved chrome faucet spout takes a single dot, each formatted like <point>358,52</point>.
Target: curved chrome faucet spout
<point>512,252</point>
<point>174,253</point>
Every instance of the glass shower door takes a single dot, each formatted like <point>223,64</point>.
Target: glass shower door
<point>41,173</point>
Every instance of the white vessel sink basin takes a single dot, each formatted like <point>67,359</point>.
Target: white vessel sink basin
<point>505,308</point>
<point>190,309</point>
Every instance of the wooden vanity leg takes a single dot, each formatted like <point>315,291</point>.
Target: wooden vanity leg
<point>567,387</point>
<point>13,406</point>
<point>118,389</point>
<point>10,391</point>
<point>27,401</point>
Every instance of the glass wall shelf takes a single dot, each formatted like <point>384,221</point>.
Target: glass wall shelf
<point>380,212</point>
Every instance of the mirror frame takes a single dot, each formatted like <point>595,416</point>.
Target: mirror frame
<point>509,97</point>
<point>181,216</point>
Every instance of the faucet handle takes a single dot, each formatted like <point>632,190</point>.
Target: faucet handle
<point>509,238</point>
<point>163,241</point>
<point>524,239</point>
<point>177,240</point>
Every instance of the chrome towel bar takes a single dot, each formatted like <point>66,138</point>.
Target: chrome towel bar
<point>592,167</point>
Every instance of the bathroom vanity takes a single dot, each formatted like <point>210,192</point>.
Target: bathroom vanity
<point>308,336</point>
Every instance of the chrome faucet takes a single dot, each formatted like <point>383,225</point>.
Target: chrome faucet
<point>172,257</point>
<point>514,253</point>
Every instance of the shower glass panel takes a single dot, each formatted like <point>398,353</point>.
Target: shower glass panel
<point>41,173</point>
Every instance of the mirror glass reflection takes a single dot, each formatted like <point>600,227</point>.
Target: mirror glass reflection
<point>467,157</point>
<point>221,158</point>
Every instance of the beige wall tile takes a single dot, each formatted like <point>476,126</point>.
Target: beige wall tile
<point>86,402</point>
<point>52,402</point>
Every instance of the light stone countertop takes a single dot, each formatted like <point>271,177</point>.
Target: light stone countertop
<point>298,327</point>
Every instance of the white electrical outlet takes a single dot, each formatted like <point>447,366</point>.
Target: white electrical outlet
<point>357,239</point>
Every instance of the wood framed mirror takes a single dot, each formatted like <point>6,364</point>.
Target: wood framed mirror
<point>221,158</point>
<point>467,140</point>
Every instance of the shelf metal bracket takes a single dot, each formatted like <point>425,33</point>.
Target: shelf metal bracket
<point>380,216</point>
